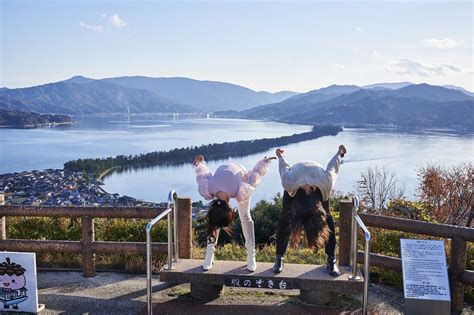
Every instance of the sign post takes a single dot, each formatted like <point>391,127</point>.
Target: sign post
<point>425,277</point>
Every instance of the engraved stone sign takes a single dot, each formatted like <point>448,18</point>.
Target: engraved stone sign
<point>425,277</point>
<point>243,282</point>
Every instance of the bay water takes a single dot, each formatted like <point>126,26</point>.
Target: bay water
<point>403,152</point>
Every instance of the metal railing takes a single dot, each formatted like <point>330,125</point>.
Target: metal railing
<point>357,221</point>
<point>172,218</point>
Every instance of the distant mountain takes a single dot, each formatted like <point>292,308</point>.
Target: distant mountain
<point>78,79</point>
<point>208,96</point>
<point>419,105</point>
<point>390,86</point>
<point>458,88</point>
<point>21,119</point>
<point>87,98</point>
<point>299,102</point>
<point>431,92</point>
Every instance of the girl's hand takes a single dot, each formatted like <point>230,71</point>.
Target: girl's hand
<point>198,159</point>
<point>279,152</point>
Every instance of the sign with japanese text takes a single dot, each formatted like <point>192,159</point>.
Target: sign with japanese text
<point>425,277</point>
<point>244,282</point>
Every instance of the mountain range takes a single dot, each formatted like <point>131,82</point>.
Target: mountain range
<point>79,95</point>
<point>414,105</point>
<point>402,103</point>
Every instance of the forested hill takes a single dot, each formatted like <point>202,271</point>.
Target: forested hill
<point>20,119</point>
<point>208,96</point>
<point>216,151</point>
<point>82,96</point>
<point>95,97</point>
<point>416,105</point>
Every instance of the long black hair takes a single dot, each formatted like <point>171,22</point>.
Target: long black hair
<point>307,213</point>
<point>220,215</point>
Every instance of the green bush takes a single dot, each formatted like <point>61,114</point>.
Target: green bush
<point>265,215</point>
<point>120,230</point>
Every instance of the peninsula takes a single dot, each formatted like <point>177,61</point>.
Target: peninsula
<point>212,152</point>
<point>23,120</point>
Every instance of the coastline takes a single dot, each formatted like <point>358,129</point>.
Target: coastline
<point>104,173</point>
<point>34,126</point>
<point>178,156</point>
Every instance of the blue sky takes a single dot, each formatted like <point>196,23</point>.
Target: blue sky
<point>267,45</point>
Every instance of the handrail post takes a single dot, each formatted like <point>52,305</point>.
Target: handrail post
<point>88,255</point>
<point>185,234</point>
<point>170,241</point>
<point>345,233</point>
<point>353,261</point>
<point>175,229</point>
<point>169,213</point>
<point>456,269</point>
<point>365,301</point>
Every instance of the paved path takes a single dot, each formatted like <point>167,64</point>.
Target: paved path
<point>118,293</point>
<point>107,293</point>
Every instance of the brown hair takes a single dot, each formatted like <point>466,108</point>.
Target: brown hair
<point>308,213</point>
<point>220,215</point>
<point>11,268</point>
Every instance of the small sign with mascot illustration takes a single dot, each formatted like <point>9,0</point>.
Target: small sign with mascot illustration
<point>18,286</point>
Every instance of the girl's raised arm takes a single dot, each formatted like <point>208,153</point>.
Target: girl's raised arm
<point>253,179</point>
<point>203,175</point>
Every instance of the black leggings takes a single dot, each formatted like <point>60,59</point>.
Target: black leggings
<point>284,228</point>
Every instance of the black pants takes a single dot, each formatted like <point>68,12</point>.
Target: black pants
<point>284,228</point>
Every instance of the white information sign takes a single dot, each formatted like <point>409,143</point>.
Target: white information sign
<point>425,274</point>
<point>18,286</point>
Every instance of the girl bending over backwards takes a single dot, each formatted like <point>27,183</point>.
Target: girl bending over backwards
<point>307,188</point>
<point>229,181</point>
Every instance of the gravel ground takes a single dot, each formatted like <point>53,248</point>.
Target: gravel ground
<point>383,300</point>
<point>118,293</point>
<point>106,293</point>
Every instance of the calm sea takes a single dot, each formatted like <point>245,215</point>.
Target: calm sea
<point>401,152</point>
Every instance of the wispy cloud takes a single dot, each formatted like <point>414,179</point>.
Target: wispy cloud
<point>407,66</point>
<point>445,43</point>
<point>358,28</point>
<point>117,22</point>
<point>339,66</point>
<point>93,28</point>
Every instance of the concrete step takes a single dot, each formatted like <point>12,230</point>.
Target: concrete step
<point>315,284</point>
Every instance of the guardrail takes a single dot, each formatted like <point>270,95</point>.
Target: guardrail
<point>459,236</point>
<point>357,222</point>
<point>173,254</point>
<point>88,246</point>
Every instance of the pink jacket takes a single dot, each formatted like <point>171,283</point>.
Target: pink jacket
<point>233,179</point>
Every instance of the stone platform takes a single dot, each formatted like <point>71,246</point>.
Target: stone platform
<point>315,284</point>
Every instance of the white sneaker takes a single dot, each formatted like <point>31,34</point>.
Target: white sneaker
<point>208,261</point>
<point>251,262</point>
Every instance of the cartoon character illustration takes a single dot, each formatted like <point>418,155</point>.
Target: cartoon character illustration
<point>12,284</point>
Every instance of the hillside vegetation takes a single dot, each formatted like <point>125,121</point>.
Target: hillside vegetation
<point>215,151</point>
<point>20,119</point>
<point>419,105</point>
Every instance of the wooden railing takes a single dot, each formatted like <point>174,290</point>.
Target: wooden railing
<point>88,246</point>
<point>459,236</point>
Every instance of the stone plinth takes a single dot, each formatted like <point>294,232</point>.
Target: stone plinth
<point>316,285</point>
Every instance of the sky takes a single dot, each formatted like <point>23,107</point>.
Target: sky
<point>263,45</point>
